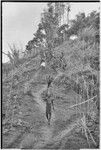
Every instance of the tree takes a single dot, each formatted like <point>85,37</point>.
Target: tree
<point>49,23</point>
<point>46,32</point>
<point>82,21</point>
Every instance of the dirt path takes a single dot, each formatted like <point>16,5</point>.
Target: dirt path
<point>40,102</point>
<point>47,130</point>
<point>38,98</point>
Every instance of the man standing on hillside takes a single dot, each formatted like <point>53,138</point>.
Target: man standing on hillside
<point>48,110</point>
<point>49,104</point>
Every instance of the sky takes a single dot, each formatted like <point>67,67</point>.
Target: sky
<point>20,21</point>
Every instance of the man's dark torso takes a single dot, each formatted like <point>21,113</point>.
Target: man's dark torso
<point>48,107</point>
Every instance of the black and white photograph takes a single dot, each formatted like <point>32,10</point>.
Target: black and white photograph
<point>50,75</point>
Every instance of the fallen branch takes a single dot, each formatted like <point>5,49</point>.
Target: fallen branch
<point>82,102</point>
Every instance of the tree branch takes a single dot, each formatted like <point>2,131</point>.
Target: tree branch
<point>5,53</point>
<point>82,102</point>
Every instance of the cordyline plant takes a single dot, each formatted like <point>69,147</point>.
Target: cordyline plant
<point>14,55</point>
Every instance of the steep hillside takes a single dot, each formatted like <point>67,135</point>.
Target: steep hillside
<point>75,90</point>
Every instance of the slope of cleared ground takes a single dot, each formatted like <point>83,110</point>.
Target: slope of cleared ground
<point>26,125</point>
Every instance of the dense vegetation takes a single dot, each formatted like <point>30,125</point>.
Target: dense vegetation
<point>73,66</point>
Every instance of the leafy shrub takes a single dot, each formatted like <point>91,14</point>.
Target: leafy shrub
<point>88,34</point>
